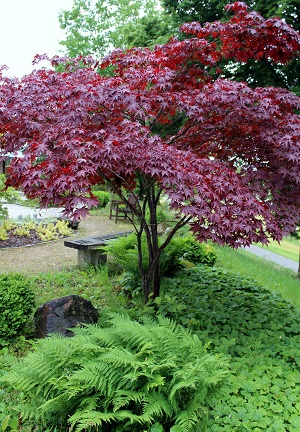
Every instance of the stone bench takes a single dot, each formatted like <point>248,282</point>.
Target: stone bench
<point>89,248</point>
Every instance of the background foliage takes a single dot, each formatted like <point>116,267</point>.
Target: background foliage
<point>88,22</point>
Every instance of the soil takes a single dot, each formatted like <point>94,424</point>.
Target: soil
<point>35,257</point>
<point>18,241</point>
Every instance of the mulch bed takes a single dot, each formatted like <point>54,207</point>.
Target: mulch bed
<point>17,241</point>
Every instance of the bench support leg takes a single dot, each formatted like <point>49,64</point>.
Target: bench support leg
<point>94,257</point>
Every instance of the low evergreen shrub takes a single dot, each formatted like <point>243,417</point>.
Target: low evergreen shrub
<point>129,376</point>
<point>46,231</point>
<point>189,249</point>
<point>16,306</point>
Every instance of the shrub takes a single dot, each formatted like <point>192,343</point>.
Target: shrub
<point>52,231</point>
<point>103,198</point>
<point>189,249</point>
<point>8,195</point>
<point>3,233</point>
<point>126,377</point>
<point>21,231</point>
<point>16,306</point>
<point>179,250</point>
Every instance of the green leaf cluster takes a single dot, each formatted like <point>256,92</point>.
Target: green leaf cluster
<point>128,376</point>
<point>103,198</point>
<point>9,195</point>
<point>181,251</point>
<point>16,306</point>
<point>259,330</point>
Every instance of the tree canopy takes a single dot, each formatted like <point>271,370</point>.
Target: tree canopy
<point>226,155</point>
<point>95,27</point>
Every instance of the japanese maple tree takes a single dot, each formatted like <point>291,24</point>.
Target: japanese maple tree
<point>226,155</point>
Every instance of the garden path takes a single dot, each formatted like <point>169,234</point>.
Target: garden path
<point>271,256</point>
<point>54,256</point>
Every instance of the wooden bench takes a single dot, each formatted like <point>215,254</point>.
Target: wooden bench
<point>89,248</point>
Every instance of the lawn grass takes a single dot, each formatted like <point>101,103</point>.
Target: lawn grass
<point>289,248</point>
<point>268,274</point>
<point>91,283</point>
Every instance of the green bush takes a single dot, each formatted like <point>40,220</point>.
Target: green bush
<point>261,333</point>
<point>16,306</point>
<point>8,195</point>
<point>175,255</point>
<point>128,376</point>
<point>103,198</point>
<point>189,249</point>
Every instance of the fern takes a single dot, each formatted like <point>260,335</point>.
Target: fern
<point>126,377</point>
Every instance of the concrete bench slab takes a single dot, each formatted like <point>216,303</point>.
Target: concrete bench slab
<point>89,248</point>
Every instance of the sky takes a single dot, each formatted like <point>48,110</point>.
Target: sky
<point>29,27</point>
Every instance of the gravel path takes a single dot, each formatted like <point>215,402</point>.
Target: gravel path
<point>54,256</point>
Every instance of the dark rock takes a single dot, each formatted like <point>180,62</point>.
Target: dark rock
<point>61,314</point>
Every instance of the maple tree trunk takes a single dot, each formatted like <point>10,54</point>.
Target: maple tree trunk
<point>151,276</point>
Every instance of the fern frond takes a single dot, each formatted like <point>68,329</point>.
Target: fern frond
<point>83,419</point>
<point>156,405</point>
<point>98,336</point>
<point>122,399</point>
<point>128,375</point>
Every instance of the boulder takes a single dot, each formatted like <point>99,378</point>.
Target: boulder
<point>61,314</point>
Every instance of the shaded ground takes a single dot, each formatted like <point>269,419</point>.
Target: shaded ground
<point>54,256</point>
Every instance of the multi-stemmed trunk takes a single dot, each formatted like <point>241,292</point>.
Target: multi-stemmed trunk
<point>150,274</point>
<point>146,227</point>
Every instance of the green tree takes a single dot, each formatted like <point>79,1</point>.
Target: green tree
<point>94,27</point>
<point>211,10</point>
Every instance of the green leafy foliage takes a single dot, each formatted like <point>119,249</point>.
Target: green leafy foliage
<point>187,248</point>
<point>103,198</point>
<point>9,195</point>
<point>125,377</point>
<point>16,305</point>
<point>96,26</point>
<point>259,330</point>
<point>181,249</point>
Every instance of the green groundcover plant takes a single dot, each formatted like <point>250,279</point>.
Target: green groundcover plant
<point>129,376</point>
<point>261,333</point>
<point>256,330</point>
